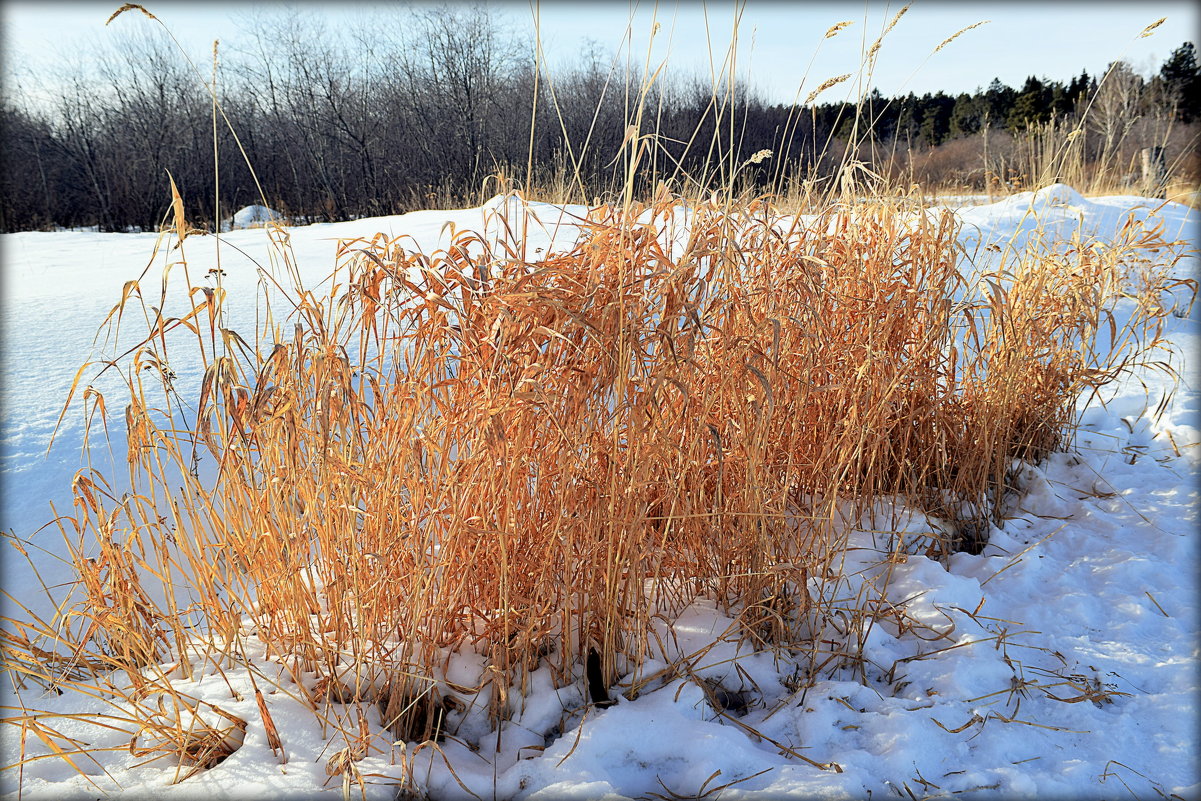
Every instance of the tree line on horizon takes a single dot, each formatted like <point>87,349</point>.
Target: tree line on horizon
<point>342,125</point>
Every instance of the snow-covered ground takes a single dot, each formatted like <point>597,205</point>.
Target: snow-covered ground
<point>1059,663</point>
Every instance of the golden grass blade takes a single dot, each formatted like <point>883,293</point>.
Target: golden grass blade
<point>181,224</point>
<point>836,27</point>
<point>826,84</point>
<point>1150,29</point>
<point>959,33</point>
<point>129,7</point>
<point>67,404</point>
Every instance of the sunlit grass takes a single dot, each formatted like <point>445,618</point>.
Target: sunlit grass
<point>532,456</point>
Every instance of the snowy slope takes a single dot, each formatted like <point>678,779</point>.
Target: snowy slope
<point>1059,663</point>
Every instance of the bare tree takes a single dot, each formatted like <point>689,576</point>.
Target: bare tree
<point>1115,108</point>
<point>457,67</point>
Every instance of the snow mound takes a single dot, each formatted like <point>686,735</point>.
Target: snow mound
<point>255,216</point>
<point>1057,195</point>
<point>1052,198</point>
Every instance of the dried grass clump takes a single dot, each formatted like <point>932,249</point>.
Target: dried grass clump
<point>532,459</point>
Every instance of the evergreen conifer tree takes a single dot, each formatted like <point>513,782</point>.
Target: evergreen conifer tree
<point>998,100</point>
<point>965,116</point>
<point>1031,107</point>
<point>1181,83</point>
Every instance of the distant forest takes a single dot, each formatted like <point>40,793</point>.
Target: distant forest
<point>341,125</point>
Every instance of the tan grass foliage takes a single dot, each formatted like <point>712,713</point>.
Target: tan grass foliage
<point>532,459</point>
<point>959,33</point>
<point>836,27</point>
<point>1150,29</point>
<point>826,84</point>
<point>892,23</point>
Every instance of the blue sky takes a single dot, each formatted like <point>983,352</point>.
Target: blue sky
<point>780,44</point>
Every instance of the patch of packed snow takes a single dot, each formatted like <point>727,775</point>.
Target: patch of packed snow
<point>1059,662</point>
<point>1058,214</point>
<point>253,216</point>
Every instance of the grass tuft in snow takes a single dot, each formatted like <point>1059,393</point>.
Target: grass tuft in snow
<point>536,457</point>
